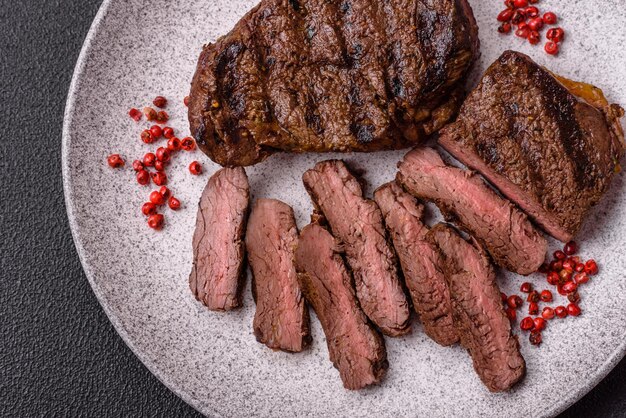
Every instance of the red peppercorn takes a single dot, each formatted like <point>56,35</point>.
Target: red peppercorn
<point>504,28</point>
<point>149,159</point>
<point>150,113</point>
<point>162,117</point>
<point>520,3</point>
<point>514,301</point>
<point>143,177</point>
<point>160,102</point>
<point>535,338</point>
<point>556,35</point>
<point>137,165</point>
<point>540,324</point>
<point>581,278</point>
<point>573,309</point>
<point>535,24</point>
<point>195,168</point>
<point>168,132</point>
<point>518,17</point>
<point>526,287</point>
<point>165,191</point>
<point>148,208</point>
<point>159,165</point>
<point>156,221</point>
<point>545,296</point>
<point>559,255</point>
<point>534,37</point>
<point>163,154</point>
<point>574,259</point>
<point>522,25</point>
<point>505,15</point>
<point>549,18</point>
<point>556,265</point>
<point>522,33</point>
<point>544,268</point>
<point>565,275</point>
<point>553,278</point>
<point>560,311</point>
<point>591,268</point>
<point>569,287</point>
<point>533,296</point>
<point>580,267</point>
<point>173,203</point>
<point>147,137</point>
<point>547,313</point>
<point>533,308</point>
<point>574,297</point>
<point>559,289</point>
<point>503,297</point>
<point>569,265</point>
<point>511,313</point>
<point>188,144</point>
<point>527,324</point>
<point>531,12</point>
<point>115,161</point>
<point>186,100</point>
<point>173,144</point>
<point>157,198</point>
<point>135,114</point>
<point>159,178</point>
<point>156,131</point>
<point>570,248</point>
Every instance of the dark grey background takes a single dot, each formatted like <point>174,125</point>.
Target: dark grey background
<point>59,355</point>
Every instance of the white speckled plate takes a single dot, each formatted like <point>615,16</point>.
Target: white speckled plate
<point>137,49</point>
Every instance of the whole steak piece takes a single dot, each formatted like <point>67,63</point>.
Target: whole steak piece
<point>358,224</point>
<point>465,199</point>
<point>420,261</point>
<point>281,320</point>
<point>479,316</point>
<point>549,144</point>
<point>217,275</point>
<point>356,349</point>
<point>338,75</point>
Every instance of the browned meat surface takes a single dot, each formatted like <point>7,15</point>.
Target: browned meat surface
<point>465,199</point>
<point>318,75</point>
<point>217,275</point>
<point>282,319</point>
<point>358,223</point>
<point>549,144</point>
<point>420,260</point>
<point>356,349</point>
<point>479,316</point>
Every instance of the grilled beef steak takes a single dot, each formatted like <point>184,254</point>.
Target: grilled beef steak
<point>217,275</point>
<point>282,319</point>
<point>356,349</point>
<point>317,75</point>
<point>358,223</point>
<point>479,316</point>
<point>465,199</point>
<point>549,144</point>
<point>420,260</point>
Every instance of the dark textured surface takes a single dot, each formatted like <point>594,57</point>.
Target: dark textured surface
<point>59,355</point>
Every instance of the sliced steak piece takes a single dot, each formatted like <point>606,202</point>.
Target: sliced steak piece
<point>465,199</point>
<point>218,275</point>
<point>420,260</point>
<point>317,75</point>
<point>549,144</point>
<point>479,316</point>
<point>282,319</point>
<point>358,223</point>
<point>356,349</point>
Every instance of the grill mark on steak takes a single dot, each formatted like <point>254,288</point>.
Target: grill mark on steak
<point>479,316</point>
<point>281,320</point>
<point>217,275</point>
<point>420,260</point>
<point>465,199</point>
<point>357,222</point>
<point>355,348</point>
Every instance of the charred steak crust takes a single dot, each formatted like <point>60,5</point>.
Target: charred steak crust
<point>217,275</point>
<point>317,75</point>
<point>549,144</point>
<point>479,316</point>
<point>356,349</point>
<point>420,261</point>
<point>358,223</point>
<point>466,200</point>
<point>281,320</point>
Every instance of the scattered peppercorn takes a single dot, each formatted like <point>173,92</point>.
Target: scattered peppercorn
<point>157,198</point>
<point>188,144</point>
<point>174,144</point>
<point>148,208</point>
<point>143,177</point>
<point>159,178</point>
<point>135,114</point>
<point>160,102</point>
<point>149,159</point>
<point>156,221</point>
<point>115,161</point>
<point>173,203</point>
<point>195,168</point>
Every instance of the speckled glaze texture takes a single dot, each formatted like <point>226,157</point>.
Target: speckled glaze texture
<point>138,49</point>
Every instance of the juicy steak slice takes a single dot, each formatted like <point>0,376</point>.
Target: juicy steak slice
<point>314,75</point>
<point>281,320</point>
<point>358,223</point>
<point>549,144</point>
<point>356,349</point>
<point>420,261</point>
<point>217,275</point>
<point>465,199</point>
<point>479,316</point>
